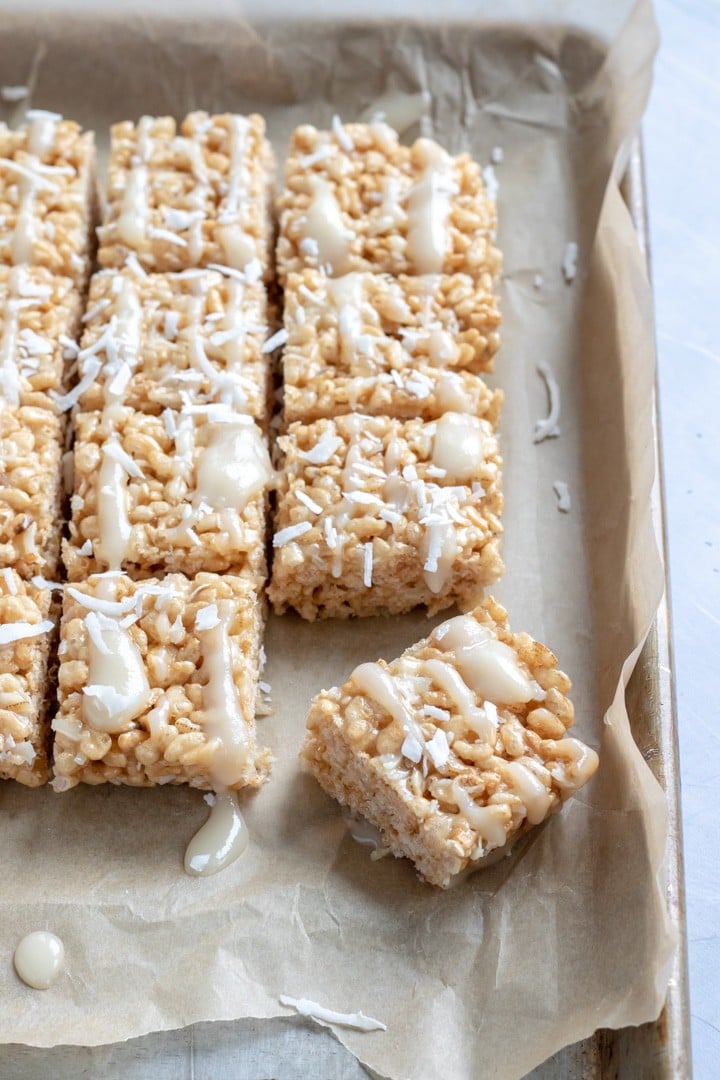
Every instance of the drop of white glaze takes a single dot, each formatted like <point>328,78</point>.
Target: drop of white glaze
<point>220,841</point>
<point>39,959</point>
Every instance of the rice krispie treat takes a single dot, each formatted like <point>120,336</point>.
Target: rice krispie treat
<point>179,492</point>
<point>189,198</point>
<point>39,323</point>
<point>376,516</point>
<point>31,489</point>
<point>401,347</point>
<point>154,341</point>
<point>47,195</point>
<point>356,199</point>
<point>158,683</point>
<point>456,748</point>
<point>25,642</point>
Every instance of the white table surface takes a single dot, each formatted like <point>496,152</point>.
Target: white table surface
<point>682,144</point>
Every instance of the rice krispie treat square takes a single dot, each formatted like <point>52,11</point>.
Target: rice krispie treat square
<point>156,341</point>
<point>158,683</point>
<point>376,516</point>
<point>47,195</point>
<point>26,638</point>
<point>189,198</point>
<point>179,492</point>
<point>356,199</point>
<point>456,748</point>
<point>31,489</point>
<point>405,347</point>
<point>39,324</point>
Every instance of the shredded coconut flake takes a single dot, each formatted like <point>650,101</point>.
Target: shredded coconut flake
<point>569,263</point>
<point>307,501</point>
<point>492,185</point>
<point>207,617</point>
<point>412,748</point>
<point>14,93</point>
<point>133,265</point>
<point>228,271</point>
<point>66,401</point>
<point>437,749</point>
<point>497,155</point>
<point>275,341</point>
<point>311,1009</point>
<point>114,450</point>
<point>19,631</point>
<point>323,449</point>
<point>42,583</point>
<point>564,501</point>
<point>9,581</point>
<point>436,713</point>
<point>548,427</point>
<point>341,135</point>
<point>291,533</point>
<point>93,311</point>
<point>105,607</point>
<point>367,564</point>
<point>538,281</point>
<point>166,235</point>
<point>391,516</point>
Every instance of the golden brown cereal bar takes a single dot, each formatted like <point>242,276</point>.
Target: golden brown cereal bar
<point>179,492</point>
<point>158,341</point>
<point>188,198</point>
<point>356,199</point>
<point>39,324</point>
<point>376,516</point>
<point>158,682</point>
<point>26,633</point>
<point>406,347</point>
<point>31,489</point>
<point>47,196</point>
<point>456,748</point>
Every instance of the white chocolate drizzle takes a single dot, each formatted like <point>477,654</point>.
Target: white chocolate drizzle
<point>133,220</point>
<point>324,226</point>
<point>117,689</point>
<point>535,796</point>
<point>40,139</point>
<point>220,841</point>
<point>113,508</point>
<point>429,210</point>
<point>234,467</point>
<point>239,248</point>
<point>489,667</point>
<point>39,959</point>
<point>223,719</point>
<point>459,446</point>
<point>9,373</point>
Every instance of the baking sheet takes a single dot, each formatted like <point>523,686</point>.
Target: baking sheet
<point>569,934</point>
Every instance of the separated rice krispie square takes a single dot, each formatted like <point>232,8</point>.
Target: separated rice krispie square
<point>31,489</point>
<point>158,683</point>
<point>376,516</point>
<point>158,341</point>
<point>456,748</point>
<point>47,196</point>
<point>39,324</point>
<point>356,199</point>
<point>405,347</point>
<point>178,492</point>
<point>189,198</point>
<point>26,638</point>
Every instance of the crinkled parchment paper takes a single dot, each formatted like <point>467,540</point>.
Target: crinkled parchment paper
<point>570,933</point>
